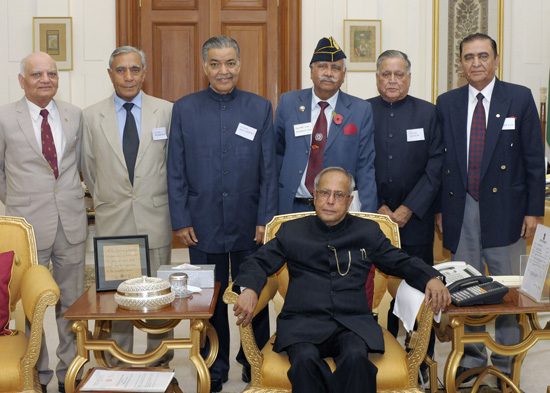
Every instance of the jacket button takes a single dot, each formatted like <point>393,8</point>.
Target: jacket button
<point>451,193</point>
<point>333,274</point>
<point>495,190</point>
<point>332,293</point>
<point>134,197</point>
<point>503,167</point>
<point>447,172</point>
<point>445,150</point>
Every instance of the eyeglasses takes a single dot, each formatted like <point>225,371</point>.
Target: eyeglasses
<point>339,196</point>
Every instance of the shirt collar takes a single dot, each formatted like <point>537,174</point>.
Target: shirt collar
<point>119,102</point>
<point>395,104</point>
<point>487,92</point>
<point>34,110</point>
<point>222,97</point>
<point>331,101</point>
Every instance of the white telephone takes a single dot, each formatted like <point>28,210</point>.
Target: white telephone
<point>454,271</point>
<point>469,287</point>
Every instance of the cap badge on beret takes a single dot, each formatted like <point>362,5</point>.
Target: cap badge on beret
<point>327,50</point>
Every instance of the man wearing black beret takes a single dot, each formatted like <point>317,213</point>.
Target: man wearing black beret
<point>320,127</point>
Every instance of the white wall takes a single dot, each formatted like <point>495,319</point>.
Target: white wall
<point>407,26</point>
<point>93,41</point>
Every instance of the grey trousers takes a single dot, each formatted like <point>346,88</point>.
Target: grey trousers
<point>68,261</point>
<point>499,261</point>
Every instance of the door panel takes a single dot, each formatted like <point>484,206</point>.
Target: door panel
<point>172,32</point>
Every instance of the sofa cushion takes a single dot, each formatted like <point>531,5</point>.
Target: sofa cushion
<point>6,267</point>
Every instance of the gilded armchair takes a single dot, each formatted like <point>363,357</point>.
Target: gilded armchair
<point>35,287</point>
<point>397,368</point>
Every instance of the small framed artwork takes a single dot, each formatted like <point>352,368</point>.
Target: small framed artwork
<point>362,43</point>
<point>120,258</point>
<point>54,36</point>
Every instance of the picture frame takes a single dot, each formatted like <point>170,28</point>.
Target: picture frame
<point>452,21</point>
<point>54,36</point>
<point>362,43</point>
<point>120,258</point>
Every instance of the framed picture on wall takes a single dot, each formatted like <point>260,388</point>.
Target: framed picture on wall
<point>362,43</point>
<point>453,20</point>
<point>54,36</point>
<point>120,258</point>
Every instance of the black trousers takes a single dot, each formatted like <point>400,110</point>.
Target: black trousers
<point>354,372</point>
<point>219,321</point>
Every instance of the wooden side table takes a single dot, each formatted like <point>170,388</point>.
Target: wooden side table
<point>514,302</point>
<point>102,308</point>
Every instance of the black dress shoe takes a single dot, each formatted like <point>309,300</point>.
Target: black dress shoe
<point>246,374</point>
<point>61,386</point>
<point>461,370</point>
<point>44,388</point>
<point>216,385</point>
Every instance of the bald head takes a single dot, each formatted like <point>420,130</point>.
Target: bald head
<point>38,77</point>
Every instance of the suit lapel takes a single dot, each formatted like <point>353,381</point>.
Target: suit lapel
<point>304,100</point>
<point>25,123</point>
<point>342,108</point>
<point>109,127</point>
<point>460,132</point>
<point>500,103</point>
<point>148,122</point>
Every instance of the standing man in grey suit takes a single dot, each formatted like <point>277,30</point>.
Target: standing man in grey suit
<point>493,178</point>
<point>124,151</point>
<point>39,180</point>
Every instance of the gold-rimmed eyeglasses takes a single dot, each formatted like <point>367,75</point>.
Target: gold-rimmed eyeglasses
<point>339,196</point>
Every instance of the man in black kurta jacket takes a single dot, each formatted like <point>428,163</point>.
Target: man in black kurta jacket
<point>326,312</point>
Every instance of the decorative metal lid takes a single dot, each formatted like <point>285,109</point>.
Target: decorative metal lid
<point>144,293</point>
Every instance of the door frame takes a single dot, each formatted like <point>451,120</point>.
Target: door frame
<point>290,38</point>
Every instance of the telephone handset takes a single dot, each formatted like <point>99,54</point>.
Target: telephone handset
<point>468,287</point>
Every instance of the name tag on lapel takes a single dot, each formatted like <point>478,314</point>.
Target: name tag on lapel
<point>159,133</point>
<point>302,129</point>
<point>415,134</point>
<point>509,123</point>
<point>246,132</point>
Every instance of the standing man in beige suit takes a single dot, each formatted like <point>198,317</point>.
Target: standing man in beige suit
<point>40,141</point>
<point>124,151</point>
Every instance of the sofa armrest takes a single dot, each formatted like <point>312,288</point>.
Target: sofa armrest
<point>38,292</point>
<point>419,340</point>
<point>250,347</point>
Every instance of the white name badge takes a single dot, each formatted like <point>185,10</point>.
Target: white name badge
<point>302,129</point>
<point>415,134</point>
<point>159,134</point>
<point>246,132</point>
<point>509,123</point>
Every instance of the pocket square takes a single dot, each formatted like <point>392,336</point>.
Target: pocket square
<point>350,129</point>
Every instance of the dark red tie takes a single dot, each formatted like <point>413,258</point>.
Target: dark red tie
<point>477,142</point>
<point>48,145</point>
<point>318,142</point>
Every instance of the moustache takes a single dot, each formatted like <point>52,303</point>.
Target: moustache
<point>224,77</point>
<point>328,79</point>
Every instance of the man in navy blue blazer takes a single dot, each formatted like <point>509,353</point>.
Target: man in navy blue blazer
<point>222,182</point>
<point>347,143</point>
<point>492,195</point>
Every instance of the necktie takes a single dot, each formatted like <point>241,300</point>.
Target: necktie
<point>477,142</point>
<point>130,141</point>
<point>48,145</point>
<point>318,142</point>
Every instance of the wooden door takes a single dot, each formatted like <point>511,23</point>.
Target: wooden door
<point>172,32</point>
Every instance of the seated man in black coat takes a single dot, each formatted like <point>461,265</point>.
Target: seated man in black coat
<point>326,313</point>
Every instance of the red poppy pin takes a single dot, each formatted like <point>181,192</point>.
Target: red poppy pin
<point>337,118</point>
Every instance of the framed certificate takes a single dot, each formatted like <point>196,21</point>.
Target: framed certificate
<point>120,258</point>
